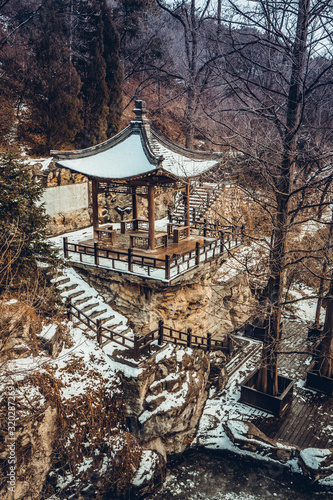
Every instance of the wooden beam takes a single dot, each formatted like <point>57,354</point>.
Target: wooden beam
<point>94,192</point>
<point>151,217</point>
<point>187,205</point>
<point>134,203</point>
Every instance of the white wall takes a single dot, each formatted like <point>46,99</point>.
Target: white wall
<point>62,199</point>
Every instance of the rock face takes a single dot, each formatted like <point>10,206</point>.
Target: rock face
<point>316,463</point>
<point>194,303</point>
<point>33,449</point>
<point>164,403</point>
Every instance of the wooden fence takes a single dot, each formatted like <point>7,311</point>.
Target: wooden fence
<point>141,343</point>
<point>168,268</point>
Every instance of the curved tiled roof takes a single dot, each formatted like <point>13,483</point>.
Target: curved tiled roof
<point>138,151</point>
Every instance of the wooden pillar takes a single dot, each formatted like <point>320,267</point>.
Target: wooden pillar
<point>94,193</point>
<point>151,217</point>
<point>134,203</point>
<point>187,205</point>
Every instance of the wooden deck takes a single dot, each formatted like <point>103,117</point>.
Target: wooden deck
<point>123,243</point>
<point>309,422</point>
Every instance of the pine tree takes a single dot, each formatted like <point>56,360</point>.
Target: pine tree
<point>113,71</point>
<point>99,67</point>
<point>52,119</point>
<point>22,225</point>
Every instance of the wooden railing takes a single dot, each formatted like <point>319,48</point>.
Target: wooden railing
<point>107,234</point>
<point>215,229</point>
<point>168,268</point>
<point>134,225</point>
<point>140,343</point>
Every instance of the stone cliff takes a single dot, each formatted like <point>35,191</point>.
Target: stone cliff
<point>190,302</point>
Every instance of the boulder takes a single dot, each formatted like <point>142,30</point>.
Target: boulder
<point>164,403</point>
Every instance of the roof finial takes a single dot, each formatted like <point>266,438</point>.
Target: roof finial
<point>140,111</point>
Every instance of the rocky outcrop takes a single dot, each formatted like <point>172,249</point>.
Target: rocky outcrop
<point>316,463</point>
<point>192,302</point>
<point>248,437</point>
<point>164,403</point>
<point>69,433</point>
<point>33,450</point>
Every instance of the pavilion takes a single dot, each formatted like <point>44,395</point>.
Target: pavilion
<point>139,156</point>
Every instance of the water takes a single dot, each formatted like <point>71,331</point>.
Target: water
<point>211,476</point>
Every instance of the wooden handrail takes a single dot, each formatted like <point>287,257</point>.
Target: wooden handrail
<point>173,266</point>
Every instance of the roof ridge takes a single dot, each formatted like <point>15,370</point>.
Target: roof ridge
<point>190,153</point>
<point>98,148</point>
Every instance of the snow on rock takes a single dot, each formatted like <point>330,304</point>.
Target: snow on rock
<point>318,463</point>
<point>167,398</point>
<point>313,457</point>
<point>145,471</point>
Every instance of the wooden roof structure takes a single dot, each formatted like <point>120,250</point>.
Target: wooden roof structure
<point>138,156</point>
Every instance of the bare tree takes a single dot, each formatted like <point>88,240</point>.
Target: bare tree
<point>279,67</point>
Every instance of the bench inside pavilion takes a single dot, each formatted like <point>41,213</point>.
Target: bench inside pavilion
<point>140,157</point>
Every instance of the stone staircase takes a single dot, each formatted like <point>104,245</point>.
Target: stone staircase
<point>84,297</point>
<point>202,197</point>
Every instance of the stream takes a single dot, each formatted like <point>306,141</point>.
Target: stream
<point>210,476</point>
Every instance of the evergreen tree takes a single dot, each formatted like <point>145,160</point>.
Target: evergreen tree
<point>113,71</point>
<point>22,225</point>
<point>99,67</point>
<point>52,119</point>
<point>92,68</point>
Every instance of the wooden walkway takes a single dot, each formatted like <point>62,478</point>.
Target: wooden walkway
<point>309,423</point>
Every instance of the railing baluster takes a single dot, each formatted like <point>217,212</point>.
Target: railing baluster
<point>160,331</point>
<point>189,337</point>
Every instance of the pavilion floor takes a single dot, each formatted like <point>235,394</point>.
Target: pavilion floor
<point>123,243</point>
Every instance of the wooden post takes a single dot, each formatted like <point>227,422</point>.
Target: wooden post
<point>222,241</point>
<point>209,341</point>
<point>134,203</point>
<point>167,267</point>
<point>96,259</point>
<point>197,253</point>
<point>65,240</point>
<point>205,229</point>
<point>194,216</point>
<point>151,217</point>
<point>189,337</point>
<point>69,310</point>
<point>187,205</point>
<point>136,348</point>
<point>130,263</point>
<point>99,331</point>
<point>94,192</point>
<point>160,331</point>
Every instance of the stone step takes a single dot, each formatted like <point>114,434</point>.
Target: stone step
<point>124,331</point>
<point>75,294</point>
<point>114,326</point>
<point>104,321</point>
<point>88,307</point>
<point>67,288</point>
<point>61,281</point>
<point>83,300</point>
<point>97,313</point>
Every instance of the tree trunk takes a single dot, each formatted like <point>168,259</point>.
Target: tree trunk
<point>325,360</point>
<point>322,287</point>
<point>284,184</point>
